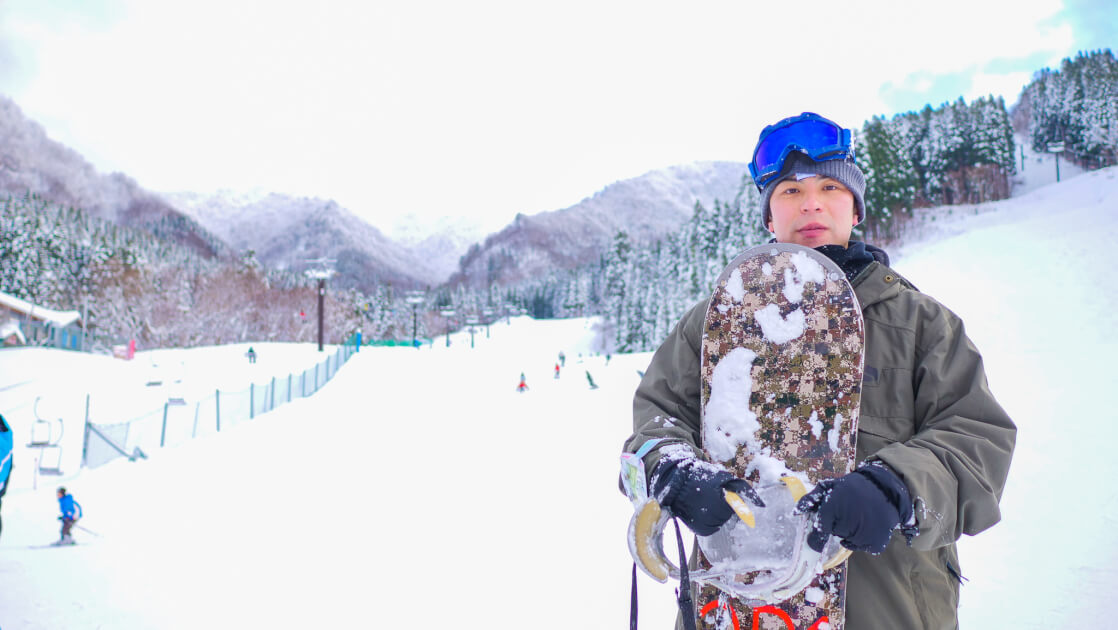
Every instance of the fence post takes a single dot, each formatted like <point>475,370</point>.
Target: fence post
<point>251,401</point>
<point>289,375</point>
<point>163,433</point>
<point>217,402</point>
<point>85,438</point>
<point>273,403</point>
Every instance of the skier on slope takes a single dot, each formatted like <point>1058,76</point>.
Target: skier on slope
<point>523,386</point>
<point>6,441</point>
<point>933,445</point>
<point>71,512</point>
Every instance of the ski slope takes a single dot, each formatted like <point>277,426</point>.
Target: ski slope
<point>419,488</point>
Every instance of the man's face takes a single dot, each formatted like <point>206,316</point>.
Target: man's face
<point>812,212</point>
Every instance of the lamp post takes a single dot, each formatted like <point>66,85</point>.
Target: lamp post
<point>321,273</point>
<point>1057,148</point>
<point>447,313</point>
<point>415,298</point>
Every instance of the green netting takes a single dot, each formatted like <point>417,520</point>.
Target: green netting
<point>392,342</point>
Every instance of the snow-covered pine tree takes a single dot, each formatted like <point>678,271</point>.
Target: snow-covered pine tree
<point>1076,105</point>
<point>891,178</point>
<point>616,291</point>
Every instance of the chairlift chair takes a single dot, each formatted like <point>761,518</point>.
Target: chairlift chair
<point>43,438</point>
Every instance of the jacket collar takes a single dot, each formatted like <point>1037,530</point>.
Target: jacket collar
<point>877,283</point>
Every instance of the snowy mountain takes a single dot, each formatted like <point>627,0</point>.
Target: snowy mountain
<point>646,207</point>
<point>32,162</point>
<point>440,241</point>
<point>285,232</point>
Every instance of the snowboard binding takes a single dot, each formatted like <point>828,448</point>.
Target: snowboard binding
<point>761,556</point>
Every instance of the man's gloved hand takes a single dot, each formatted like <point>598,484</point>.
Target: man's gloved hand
<point>692,490</point>
<point>861,508</point>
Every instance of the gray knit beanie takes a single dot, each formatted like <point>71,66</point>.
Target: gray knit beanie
<point>845,171</point>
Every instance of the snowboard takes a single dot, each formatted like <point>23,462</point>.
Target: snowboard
<point>781,369</point>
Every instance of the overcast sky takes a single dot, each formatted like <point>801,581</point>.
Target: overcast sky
<point>482,108</point>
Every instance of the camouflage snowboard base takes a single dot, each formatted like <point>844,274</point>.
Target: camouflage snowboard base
<point>781,384</point>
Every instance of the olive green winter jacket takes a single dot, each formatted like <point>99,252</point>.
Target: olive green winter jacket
<point>926,411</point>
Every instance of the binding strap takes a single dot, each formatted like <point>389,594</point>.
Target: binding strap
<point>683,593</point>
<point>633,601</point>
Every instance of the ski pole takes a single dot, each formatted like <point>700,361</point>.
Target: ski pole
<point>88,531</point>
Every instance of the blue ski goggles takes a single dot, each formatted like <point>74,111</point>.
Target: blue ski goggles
<point>808,133</point>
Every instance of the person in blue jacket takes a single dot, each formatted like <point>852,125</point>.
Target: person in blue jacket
<point>5,460</point>
<point>71,512</point>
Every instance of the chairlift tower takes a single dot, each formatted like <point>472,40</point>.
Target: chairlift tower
<point>321,269</point>
<point>447,313</point>
<point>1057,148</point>
<point>488,315</point>
<point>472,322</point>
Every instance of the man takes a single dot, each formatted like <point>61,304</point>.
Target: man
<point>933,446</point>
<point>5,460</point>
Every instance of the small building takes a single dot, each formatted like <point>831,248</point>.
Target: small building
<point>24,323</point>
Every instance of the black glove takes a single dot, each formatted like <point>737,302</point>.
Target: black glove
<point>692,490</point>
<point>861,508</point>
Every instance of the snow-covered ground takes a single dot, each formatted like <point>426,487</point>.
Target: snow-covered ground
<point>419,488</point>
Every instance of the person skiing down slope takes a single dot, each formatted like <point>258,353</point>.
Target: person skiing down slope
<point>933,445</point>
<point>71,512</point>
<point>523,386</point>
